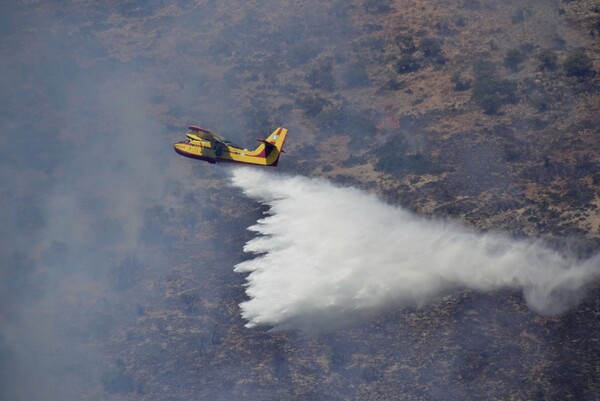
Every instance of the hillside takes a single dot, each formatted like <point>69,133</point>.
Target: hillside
<point>468,109</point>
<point>117,277</point>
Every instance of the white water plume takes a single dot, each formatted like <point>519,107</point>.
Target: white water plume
<point>326,255</point>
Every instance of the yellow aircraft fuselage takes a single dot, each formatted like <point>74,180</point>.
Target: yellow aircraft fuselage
<point>204,145</point>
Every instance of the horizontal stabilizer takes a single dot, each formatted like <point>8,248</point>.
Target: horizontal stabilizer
<point>268,145</point>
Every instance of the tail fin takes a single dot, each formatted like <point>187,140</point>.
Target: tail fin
<point>273,146</point>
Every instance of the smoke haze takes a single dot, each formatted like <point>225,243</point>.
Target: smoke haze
<point>326,255</point>
<point>116,277</point>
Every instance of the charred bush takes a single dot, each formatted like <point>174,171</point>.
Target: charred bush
<point>406,64</point>
<point>471,4</point>
<point>321,77</point>
<point>548,59</point>
<point>460,22</point>
<point>355,75</point>
<point>339,356</point>
<point>578,64</point>
<point>311,105</point>
<point>540,101</point>
<point>330,118</point>
<point>116,380</point>
<point>302,53</point>
<point>405,43</point>
<point>124,274</point>
<point>397,163</point>
<point>489,91</point>
<point>7,360</point>
<point>513,58</point>
<point>378,6</point>
<point>460,83</point>
<point>578,194</point>
<point>520,15</point>
<point>358,125</point>
<point>444,27</point>
<point>156,219</point>
<point>391,84</point>
<point>259,114</point>
<point>483,69</point>
<point>190,299</point>
<point>431,47</point>
<point>369,45</point>
<point>493,92</point>
<point>371,374</point>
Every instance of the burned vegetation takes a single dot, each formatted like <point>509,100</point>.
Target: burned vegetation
<point>479,111</point>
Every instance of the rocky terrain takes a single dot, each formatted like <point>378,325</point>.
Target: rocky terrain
<point>117,277</point>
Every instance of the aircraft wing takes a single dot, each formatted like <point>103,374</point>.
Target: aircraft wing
<point>206,134</point>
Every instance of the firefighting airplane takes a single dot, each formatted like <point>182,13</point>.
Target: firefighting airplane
<point>205,145</point>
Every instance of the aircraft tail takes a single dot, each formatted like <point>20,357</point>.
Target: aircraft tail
<point>272,147</point>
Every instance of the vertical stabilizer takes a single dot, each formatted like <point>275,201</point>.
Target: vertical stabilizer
<point>272,147</point>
